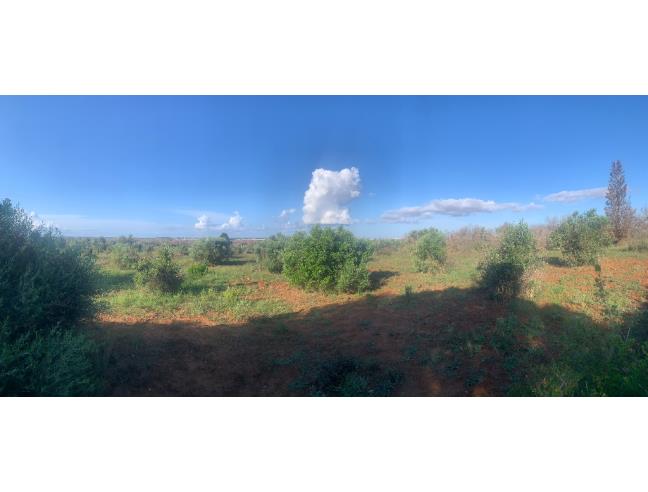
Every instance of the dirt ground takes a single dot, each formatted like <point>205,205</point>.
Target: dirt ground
<point>411,334</point>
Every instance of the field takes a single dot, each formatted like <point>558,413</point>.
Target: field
<point>238,330</point>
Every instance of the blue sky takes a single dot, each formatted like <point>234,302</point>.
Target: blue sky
<point>195,166</point>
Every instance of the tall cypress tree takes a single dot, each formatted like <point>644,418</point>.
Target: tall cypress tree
<point>618,207</point>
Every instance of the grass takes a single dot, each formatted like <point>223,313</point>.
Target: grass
<point>411,327</point>
<point>223,293</point>
<point>231,291</point>
<point>342,376</point>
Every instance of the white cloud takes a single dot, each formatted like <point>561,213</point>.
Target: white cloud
<point>38,221</point>
<point>328,194</point>
<point>454,207</point>
<point>206,222</point>
<point>286,213</point>
<point>234,222</point>
<point>285,221</point>
<point>576,195</point>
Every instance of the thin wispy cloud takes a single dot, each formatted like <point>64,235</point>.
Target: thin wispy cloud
<point>196,212</point>
<point>329,193</point>
<point>576,195</point>
<point>286,221</point>
<point>287,213</point>
<point>453,207</point>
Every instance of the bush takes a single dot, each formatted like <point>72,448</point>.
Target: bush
<point>212,250</point>
<point>100,244</point>
<point>584,360</point>
<point>269,253</point>
<point>581,238</point>
<point>125,255</point>
<point>353,277</point>
<point>328,260</point>
<point>182,248</point>
<point>343,376</point>
<point>43,281</point>
<point>46,287</point>
<point>506,271</point>
<point>197,269</point>
<point>55,363</point>
<point>160,273</point>
<point>430,251</point>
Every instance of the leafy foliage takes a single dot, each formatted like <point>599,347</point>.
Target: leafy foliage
<point>197,269</point>
<point>430,251</point>
<point>100,244</point>
<point>581,237</point>
<point>61,362</point>
<point>160,273</point>
<point>269,253</point>
<point>43,281</point>
<point>125,255</point>
<point>349,377</point>
<point>213,250</point>
<point>327,259</point>
<point>506,270</point>
<point>580,359</point>
<point>46,287</point>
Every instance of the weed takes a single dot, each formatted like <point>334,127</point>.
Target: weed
<point>348,377</point>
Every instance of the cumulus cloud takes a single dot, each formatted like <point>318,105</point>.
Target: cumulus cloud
<point>454,207</point>
<point>328,194</point>
<point>234,222</point>
<point>38,221</point>
<point>206,222</point>
<point>576,195</point>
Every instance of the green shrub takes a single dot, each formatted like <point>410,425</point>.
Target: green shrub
<point>581,237</point>
<point>353,277</point>
<point>46,287</point>
<point>160,273</point>
<point>587,360</point>
<point>125,255</point>
<point>182,248</point>
<point>55,363</point>
<point>328,260</point>
<point>430,251</point>
<point>212,250</point>
<point>506,270</point>
<point>100,244</point>
<point>43,281</point>
<point>197,269</point>
<point>269,253</point>
<point>343,376</point>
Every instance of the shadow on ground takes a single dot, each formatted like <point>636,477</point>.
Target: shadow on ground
<point>110,281</point>
<point>556,261</point>
<point>237,261</point>
<point>453,342</point>
<point>378,278</point>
